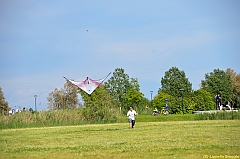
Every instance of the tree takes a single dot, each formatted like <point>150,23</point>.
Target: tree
<point>202,100</point>
<point>175,84</point>
<point>173,81</point>
<point>218,82</point>
<point>99,106</point>
<point>134,96</point>
<point>118,86</point>
<point>143,106</point>
<point>100,96</point>
<point>159,101</point>
<point>134,84</point>
<point>236,86</point>
<point>64,98</point>
<point>3,103</point>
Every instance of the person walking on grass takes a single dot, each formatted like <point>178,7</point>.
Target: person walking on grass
<point>131,117</point>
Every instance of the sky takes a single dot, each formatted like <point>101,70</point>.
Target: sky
<point>41,41</point>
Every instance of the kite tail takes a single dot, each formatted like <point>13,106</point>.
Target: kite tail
<point>105,77</point>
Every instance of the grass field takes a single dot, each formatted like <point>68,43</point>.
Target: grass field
<point>167,139</point>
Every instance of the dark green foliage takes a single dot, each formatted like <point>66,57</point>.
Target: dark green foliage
<point>118,85</point>
<point>173,81</point>
<point>160,101</point>
<point>203,100</point>
<point>186,101</point>
<point>218,82</point>
<point>124,91</point>
<point>134,96</point>
<point>141,108</point>
<point>99,106</point>
<point>236,101</point>
<point>198,100</point>
<point>175,87</point>
<point>3,103</point>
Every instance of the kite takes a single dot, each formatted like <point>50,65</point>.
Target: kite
<point>88,85</point>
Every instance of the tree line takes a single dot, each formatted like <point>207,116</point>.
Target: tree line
<point>183,99</point>
<point>120,91</point>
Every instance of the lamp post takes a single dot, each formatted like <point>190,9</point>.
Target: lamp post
<point>151,98</point>
<point>35,96</point>
<point>181,89</point>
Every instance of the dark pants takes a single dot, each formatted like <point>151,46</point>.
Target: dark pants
<point>218,103</point>
<point>133,123</point>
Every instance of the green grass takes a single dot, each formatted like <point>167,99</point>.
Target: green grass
<point>165,139</point>
<point>171,117</point>
<point>188,117</point>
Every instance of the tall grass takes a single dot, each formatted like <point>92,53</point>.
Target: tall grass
<point>218,116</point>
<point>64,117</point>
<point>68,117</point>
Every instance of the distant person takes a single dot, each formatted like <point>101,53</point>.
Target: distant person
<point>229,105</point>
<point>155,112</point>
<point>131,117</point>
<point>10,112</point>
<point>220,107</point>
<point>166,107</point>
<point>218,101</point>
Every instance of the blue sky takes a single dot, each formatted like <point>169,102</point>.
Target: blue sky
<point>41,41</point>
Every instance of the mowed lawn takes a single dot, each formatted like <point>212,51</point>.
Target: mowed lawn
<point>170,139</point>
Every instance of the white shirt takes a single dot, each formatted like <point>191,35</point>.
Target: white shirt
<point>131,114</point>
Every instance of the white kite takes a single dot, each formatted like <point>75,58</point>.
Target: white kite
<point>88,85</point>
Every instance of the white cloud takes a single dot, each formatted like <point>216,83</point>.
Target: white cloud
<point>134,50</point>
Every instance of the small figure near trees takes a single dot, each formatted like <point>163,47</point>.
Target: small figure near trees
<point>229,105</point>
<point>218,101</point>
<point>166,108</point>
<point>155,112</point>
